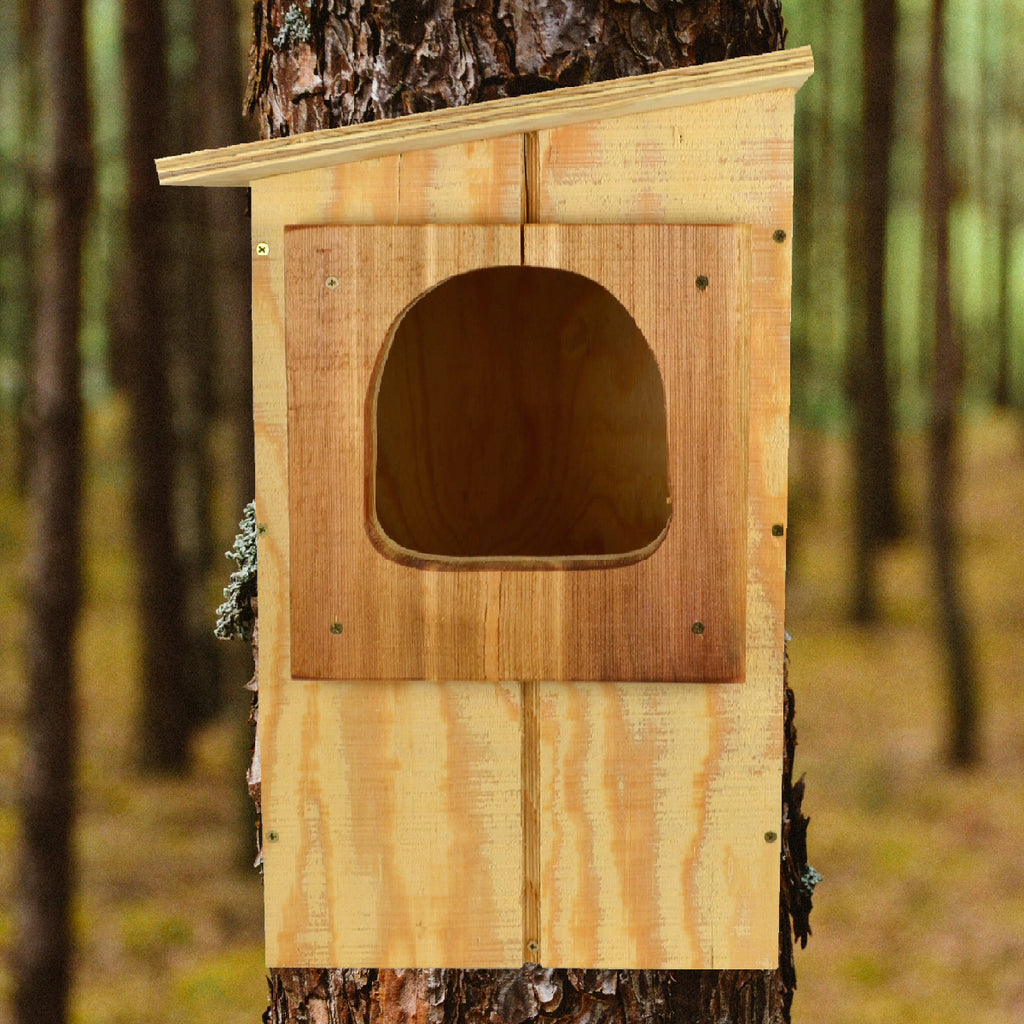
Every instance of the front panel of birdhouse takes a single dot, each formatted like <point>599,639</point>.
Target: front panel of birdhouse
<point>521,408</point>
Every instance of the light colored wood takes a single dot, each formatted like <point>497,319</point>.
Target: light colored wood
<point>634,836</point>
<point>248,162</point>
<point>571,620</point>
<point>317,740</point>
<point>655,801</point>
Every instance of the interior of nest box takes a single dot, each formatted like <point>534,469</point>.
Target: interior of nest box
<point>518,412</point>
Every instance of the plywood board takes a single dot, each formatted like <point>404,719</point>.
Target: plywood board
<point>363,610</point>
<point>699,764</point>
<point>656,801</point>
<point>313,738</point>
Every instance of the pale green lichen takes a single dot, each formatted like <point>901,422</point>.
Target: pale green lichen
<point>294,30</point>
<point>235,617</point>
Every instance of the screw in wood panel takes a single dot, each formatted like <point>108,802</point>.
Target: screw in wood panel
<point>702,282</point>
<point>272,837</point>
<point>533,946</point>
<point>697,628</point>
<point>778,530</point>
<point>261,529</point>
<point>262,248</point>
<point>770,837</point>
<point>779,235</point>
<point>332,282</point>
<point>337,627</point>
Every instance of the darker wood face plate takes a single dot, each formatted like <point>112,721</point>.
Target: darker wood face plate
<point>518,452</point>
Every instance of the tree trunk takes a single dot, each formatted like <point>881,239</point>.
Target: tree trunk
<point>876,504</point>
<point>948,373</point>
<point>313,67</point>
<point>43,954</point>
<point>143,343</point>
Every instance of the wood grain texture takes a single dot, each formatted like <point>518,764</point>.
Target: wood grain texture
<point>560,615</point>
<point>304,801</point>
<point>695,767</point>
<point>649,803</point>
<point>621,97</point>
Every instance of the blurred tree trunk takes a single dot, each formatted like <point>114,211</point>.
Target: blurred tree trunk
<point>947,376</point>
<point>876,504</point>
<point>313,67</point>
<point>43,950</point>
<point>221,80</point>
<point>143,343</point>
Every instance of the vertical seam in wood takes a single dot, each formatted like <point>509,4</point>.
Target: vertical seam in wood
<point>531,177</point>
<point>531,822</point>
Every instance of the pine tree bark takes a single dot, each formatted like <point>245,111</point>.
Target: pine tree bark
<point>322,64</point>
<point>43,951</point>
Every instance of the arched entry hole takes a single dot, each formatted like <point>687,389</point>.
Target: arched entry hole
<point>518,415</point>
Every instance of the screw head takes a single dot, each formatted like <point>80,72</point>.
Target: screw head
<point>272,837</point>
<point>778,530</point>
<point>771,837</point>
<point>336,628</point>
<point>779,235</point>
<point>697,628</point>
<point>702,282</point>
<point>332,282</point>
<point>262,248</point>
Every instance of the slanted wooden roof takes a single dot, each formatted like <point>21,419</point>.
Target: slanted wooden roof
<point>242,164</point>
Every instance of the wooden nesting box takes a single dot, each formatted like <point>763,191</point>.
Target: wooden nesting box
<point>521,402</point>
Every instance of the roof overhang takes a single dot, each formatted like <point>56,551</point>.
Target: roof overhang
<point>242,164</point>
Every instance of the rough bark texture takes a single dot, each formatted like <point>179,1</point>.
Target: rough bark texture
<point>329,62</point>
<point>332,62</point>
<point>43,949</point>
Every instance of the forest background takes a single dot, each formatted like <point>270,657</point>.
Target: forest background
<point>911,732</point>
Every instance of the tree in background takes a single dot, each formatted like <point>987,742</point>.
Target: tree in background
<point>876,504</point>
<point>946,384</point>
<point>43,955</point>
<point>316,65</point>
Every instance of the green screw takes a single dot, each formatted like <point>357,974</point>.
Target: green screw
<point>771,837</point>
<point>778,530</point>
<point>779,235</point>
<point>702,282</point>
<point>336,628</point>
<point>698,628</point>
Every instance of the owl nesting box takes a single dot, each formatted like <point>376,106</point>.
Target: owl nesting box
<point>521,400</point>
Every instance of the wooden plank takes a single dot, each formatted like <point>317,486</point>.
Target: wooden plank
<point>242,164</point>
<point>657,800</point>
<point>316,740</point>
<point>509,412</point>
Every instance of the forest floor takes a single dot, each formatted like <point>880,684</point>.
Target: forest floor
<point>919,918</point>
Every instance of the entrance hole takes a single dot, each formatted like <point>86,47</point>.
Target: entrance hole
<point>518,414</point>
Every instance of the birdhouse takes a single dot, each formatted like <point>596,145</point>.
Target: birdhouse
<point>521,410</point>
